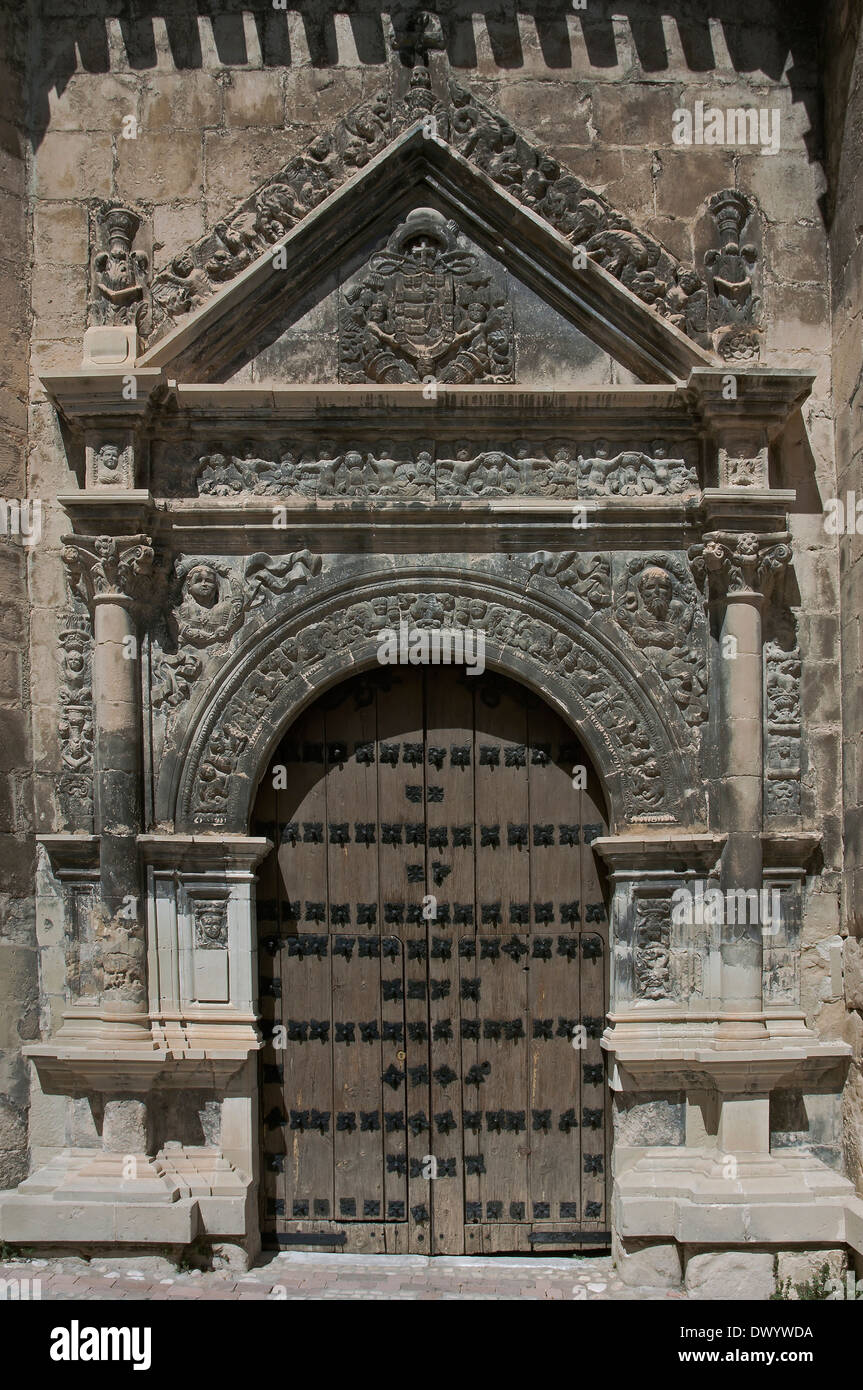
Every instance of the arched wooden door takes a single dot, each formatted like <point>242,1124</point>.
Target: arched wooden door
<point>433,974</point>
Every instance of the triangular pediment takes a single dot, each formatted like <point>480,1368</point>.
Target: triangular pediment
<point>524,302</point>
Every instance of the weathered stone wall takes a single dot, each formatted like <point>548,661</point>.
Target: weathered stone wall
<point>19,1006</point>
<point>220,103</point>
<point>844,148</point>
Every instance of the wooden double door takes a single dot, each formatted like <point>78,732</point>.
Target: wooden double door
<point>433,957</point>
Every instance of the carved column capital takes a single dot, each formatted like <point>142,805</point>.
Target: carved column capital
<point>109,569</point>
<point>741,564</point>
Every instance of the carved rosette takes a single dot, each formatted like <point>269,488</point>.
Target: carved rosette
<point>741,564</point>
<point>107,569</point>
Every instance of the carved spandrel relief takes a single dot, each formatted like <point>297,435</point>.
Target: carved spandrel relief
<point>585,576</point>
<point>661,610</point>
<point>425,309</point>
<point>210,603</point>
<point>421,469</point>
<point>582,215</point>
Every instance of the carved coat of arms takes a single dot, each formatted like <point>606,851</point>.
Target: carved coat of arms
<point>425,309</point>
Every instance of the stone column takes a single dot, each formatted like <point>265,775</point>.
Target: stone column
<point>112,575</point>
<point>741,567</point>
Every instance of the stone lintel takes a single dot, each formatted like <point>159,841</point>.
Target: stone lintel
<point>790,851</point>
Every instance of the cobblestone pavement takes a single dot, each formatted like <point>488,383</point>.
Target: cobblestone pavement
<point>297,1275</point>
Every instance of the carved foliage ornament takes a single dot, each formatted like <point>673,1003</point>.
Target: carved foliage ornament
<point>741,562</point>
<point>582,215</point>
<point>631,744</point>
<point>107,569</point>
<point>652,948</point>
<point>782,743</point>
<point>75,783</point>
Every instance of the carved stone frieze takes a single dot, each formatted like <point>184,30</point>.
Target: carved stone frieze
<point>537,180</point>
<point>425,309</point>
<point>107,569</point>
<point>661,610</point>
<point>422,469</point>
<point>119,291</point>
<point>631,473</point>
<point>741,562</point>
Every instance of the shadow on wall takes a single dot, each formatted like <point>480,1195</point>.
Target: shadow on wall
<point>776,38</point>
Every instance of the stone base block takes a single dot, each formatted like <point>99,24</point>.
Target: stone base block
<point>647,1264</point>
<point>796,1267</point>
<point>740,1275</point>
<point>37,1221</point>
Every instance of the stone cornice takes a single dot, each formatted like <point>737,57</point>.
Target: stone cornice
<point>764,397</point>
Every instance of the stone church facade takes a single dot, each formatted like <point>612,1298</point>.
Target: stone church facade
<point>417,328</point>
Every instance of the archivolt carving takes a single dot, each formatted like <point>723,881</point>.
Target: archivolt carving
<point>635,737</point>
<point>585,217</point>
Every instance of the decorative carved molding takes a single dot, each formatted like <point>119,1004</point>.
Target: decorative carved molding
<point>422,470</point>
<point>537,180</point>
<point>103,569</point>
<point>782,741</point>
<point>741,562</point>
<point>425,309</point>
<point>75,783</point>
<point>119,283</point>
<point>661,610</point>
